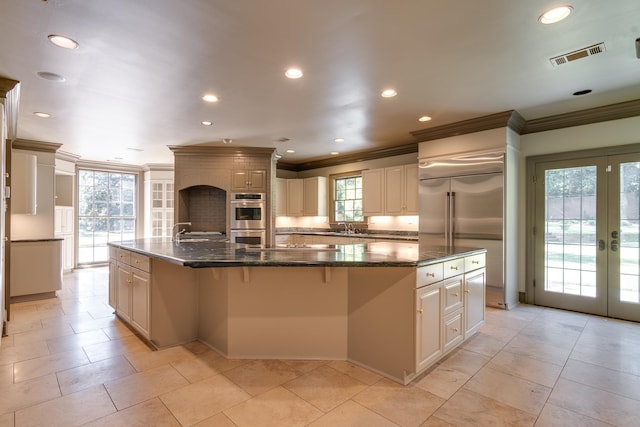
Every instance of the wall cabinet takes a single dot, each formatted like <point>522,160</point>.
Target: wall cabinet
<point>64,228</point>
<point>249,180</point>
<point>314,196</point>
<point>373,189</point>
<point>160,205</point>
<point>391,191</point>
<point>24,183</point>
<point>132,289</point>
<point>295,199</point>
<point>301,197</point>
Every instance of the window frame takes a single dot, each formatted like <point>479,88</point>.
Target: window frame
<point>332,201</point>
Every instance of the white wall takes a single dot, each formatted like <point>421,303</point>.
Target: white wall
<point>41,225</point>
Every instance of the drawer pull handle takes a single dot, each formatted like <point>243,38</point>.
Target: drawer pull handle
<point>420,311</point>
<point>453,267</point>
<point>455,295</point>
<point>475,262</point>
<point>467,291</point>
<point>455,329</point>
<point>431,274</point>
<point>137,262</point>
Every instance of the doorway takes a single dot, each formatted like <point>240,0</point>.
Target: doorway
<point>586,235</point>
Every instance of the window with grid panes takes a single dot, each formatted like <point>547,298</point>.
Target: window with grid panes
<point>347,199</point>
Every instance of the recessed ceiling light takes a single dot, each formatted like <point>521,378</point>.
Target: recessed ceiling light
<point>388,93</point>
<point>293,73</point>
<point>210,98</point>
<point>424,119</point>
<point>63,41</point>
<point>139,150</point>
<point>339,140</point>
<point>206,123</point>
<point>582,92</point>
<point>43,115</point>
<point>291,151</point>
<point>556,14</point>
<point>334,153</point>
<point>50,76</point>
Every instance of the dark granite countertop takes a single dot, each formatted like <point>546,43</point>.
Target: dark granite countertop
<point>409,236</point>
<point>224,254</point>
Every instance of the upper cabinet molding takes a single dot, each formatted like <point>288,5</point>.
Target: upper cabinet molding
<point>44,147</point>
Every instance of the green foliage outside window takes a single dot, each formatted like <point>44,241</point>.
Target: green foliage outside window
<point>348,199</point>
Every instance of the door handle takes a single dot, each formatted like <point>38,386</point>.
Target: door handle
<point>614,234</point>
<point>614,245</point>
<point>602,245</point>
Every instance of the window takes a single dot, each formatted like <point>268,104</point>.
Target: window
<point>106,212</point>
<point>347,198</point>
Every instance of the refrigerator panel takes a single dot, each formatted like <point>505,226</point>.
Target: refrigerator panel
<point>467,164</point>
<point>432,208</point>
<point>477,206</point>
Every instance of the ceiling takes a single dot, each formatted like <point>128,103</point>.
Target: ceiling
<point>135,83</point>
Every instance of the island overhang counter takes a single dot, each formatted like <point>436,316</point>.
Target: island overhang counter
<point>393,307</point>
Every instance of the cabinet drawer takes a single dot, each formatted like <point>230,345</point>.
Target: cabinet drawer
<point>453,330</point>
<point>140,261</point>
<point>429,274</point>
<point>453,294</point>
<point>474,262</point>
<point>124,256</point>
<point>453,267</point>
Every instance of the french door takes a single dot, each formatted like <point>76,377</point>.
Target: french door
<point>587,235</point>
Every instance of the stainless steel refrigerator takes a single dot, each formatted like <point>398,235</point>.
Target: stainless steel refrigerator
<point>462,204</point>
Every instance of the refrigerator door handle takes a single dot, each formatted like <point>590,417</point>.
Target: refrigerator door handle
<point>452,217</point>
<point>446,219</point>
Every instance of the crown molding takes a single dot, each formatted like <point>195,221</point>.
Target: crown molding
<point>10,97</point>
<point>621,110</point>
<point>69,157</point>
<point>208,150</point>
<point>41,146</point>
<point>511,119</point>
<point>350,158</point>
<point>168,167</point>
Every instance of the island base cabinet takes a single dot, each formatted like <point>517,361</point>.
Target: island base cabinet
<point>132,297</point>
<point>474,300</point>
<point>428,330</point>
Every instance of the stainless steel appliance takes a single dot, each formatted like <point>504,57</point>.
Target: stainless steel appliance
<point>461,204</point>
<point>249,237</point>
<point>247,211</point>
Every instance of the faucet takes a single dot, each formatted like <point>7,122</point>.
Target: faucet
<point>348,227</point>
<point>176,236</point>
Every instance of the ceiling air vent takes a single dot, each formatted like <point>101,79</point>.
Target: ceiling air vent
<point>577,54</point>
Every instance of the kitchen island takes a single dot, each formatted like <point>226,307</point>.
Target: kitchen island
<point>393,307</point>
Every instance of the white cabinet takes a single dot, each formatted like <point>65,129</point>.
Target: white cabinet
<point>391,191</point>
<point>132,289</point>
<point>428,330</point>
<point>64,228</point>
<point>450,301</point>
<point>281,197</point>
<point>249,180</point>
<point>160,205</point>
<point>295,198</point>
<point>314,196</point>
<point>301,197</point>
<point>475,279</point>
<point>373,192</point>
<point>24,182</point>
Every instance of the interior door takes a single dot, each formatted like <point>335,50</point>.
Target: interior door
<point>586,235</point>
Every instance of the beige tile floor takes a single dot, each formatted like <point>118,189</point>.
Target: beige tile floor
<point>68,361</point>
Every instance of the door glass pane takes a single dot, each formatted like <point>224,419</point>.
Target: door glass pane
<point>570,231</point>
<point>629,232</point>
